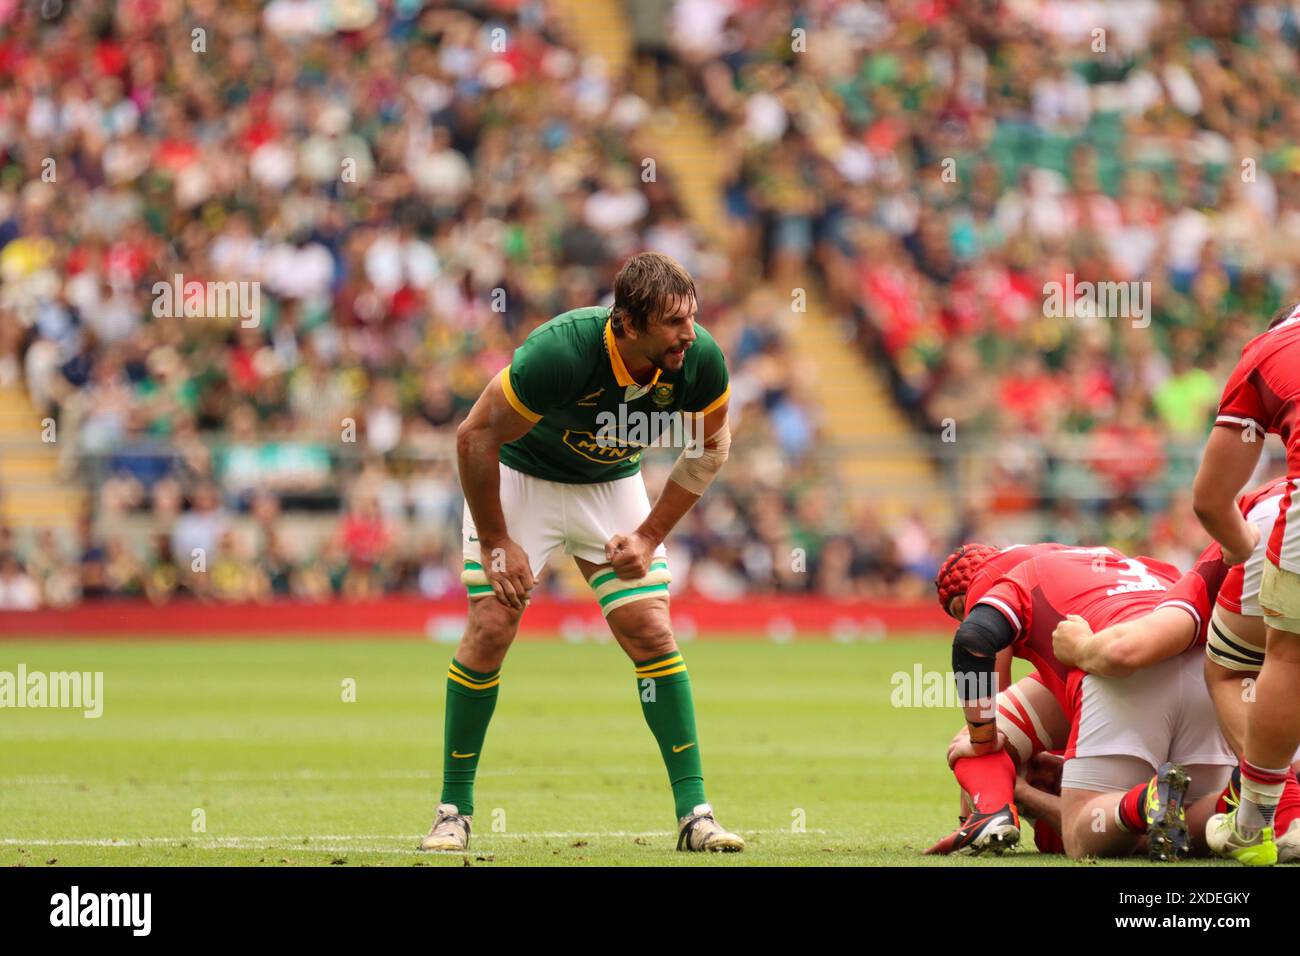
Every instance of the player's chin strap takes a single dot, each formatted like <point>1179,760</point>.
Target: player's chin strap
<point>698,465</point>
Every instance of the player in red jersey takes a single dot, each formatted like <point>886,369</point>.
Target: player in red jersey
<point>1018,611</point>
<point>1234,651</point>
<point>1029,721</point>
<point>1262,396</point>
<point>1032,731</point>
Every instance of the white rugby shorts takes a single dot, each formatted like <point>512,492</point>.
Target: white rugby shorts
<point>1159,713</point>
<point>544,517</point>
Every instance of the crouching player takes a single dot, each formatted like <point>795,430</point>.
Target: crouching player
<point>1032,732</point>
<point>540,477</point>
<point>1027,716</point>
<point>1019,610</point>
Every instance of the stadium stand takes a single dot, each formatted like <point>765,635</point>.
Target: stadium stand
<point>414,195</point>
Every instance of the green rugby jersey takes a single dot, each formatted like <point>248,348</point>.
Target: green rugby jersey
<point>569,380</point>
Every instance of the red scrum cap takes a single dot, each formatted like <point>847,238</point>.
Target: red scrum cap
<point>959,569</point>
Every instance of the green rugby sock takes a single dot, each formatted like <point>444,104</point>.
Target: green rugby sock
<point>665,691</point>
<point>471,698</point>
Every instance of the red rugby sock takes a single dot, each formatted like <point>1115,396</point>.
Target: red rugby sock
<point>990,780</point>
<point>1222,805</point>
<point>1132,809</point>
<point>1288,806</point>
<point>1231,795</point>
<point>1047,838</point>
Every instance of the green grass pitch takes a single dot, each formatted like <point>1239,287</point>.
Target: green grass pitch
<point>252,739</point>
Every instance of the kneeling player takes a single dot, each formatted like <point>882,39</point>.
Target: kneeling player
<point>1019,610</point>
<point>1027,718</point>
<point>1145,757</point>
<point>1032,731</point>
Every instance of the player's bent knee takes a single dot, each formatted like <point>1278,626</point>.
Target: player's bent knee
<point>644,629</point>
<point>1087,825</point>
<point>1078,844</point>
<point>1074,848</point>
<point>491,624</point>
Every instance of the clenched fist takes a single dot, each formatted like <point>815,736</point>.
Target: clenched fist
<point>630,555</point>
<point>1068,639</point>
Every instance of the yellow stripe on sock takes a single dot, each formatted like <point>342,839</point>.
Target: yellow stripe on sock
<point>675,659</point>
<point>474,680</point>
<point>460,680</point>
<point>672,670</point>
<point>470,677</point>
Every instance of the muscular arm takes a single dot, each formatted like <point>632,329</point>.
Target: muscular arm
<point>630,555</point>
<point>674,501</point>
<point>490,424</point>
<point>1037,804</point>
<point>1226,466</point>
<point>1122,648</point>
<point>975,649</point>
<point>1002,668</point>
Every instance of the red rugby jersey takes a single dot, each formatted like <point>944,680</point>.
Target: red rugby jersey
<point>1263,393</point>
<point>1101,585</point>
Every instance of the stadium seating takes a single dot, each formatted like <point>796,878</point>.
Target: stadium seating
<point>416,188</point>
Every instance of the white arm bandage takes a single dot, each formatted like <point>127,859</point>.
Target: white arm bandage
<point>697,466</point>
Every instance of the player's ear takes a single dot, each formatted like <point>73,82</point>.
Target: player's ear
<point>622,327</point>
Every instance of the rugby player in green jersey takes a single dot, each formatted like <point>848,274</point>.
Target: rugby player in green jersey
<point>550,459</point>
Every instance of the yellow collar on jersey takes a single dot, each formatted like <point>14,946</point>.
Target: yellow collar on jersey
<point>621,374</point>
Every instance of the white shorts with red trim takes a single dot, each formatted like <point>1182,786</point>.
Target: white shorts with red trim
<point>1159,713</point>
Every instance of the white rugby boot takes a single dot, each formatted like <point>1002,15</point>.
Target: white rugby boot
<point>450,830</point>
<point>699,833</point>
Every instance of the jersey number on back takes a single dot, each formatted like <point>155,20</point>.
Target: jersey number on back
<point>1136,576</point>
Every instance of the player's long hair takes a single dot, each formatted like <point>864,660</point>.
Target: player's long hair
<point>649,285</point>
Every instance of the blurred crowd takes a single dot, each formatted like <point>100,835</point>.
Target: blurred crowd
<point>943,164</point>
<point>415,186</point>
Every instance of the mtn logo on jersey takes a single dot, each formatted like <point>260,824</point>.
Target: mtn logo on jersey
<point>569,380</point>
<point>589,447</point>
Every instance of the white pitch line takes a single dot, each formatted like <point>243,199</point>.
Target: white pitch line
<point>297,842</point>
<point>279,776</point>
